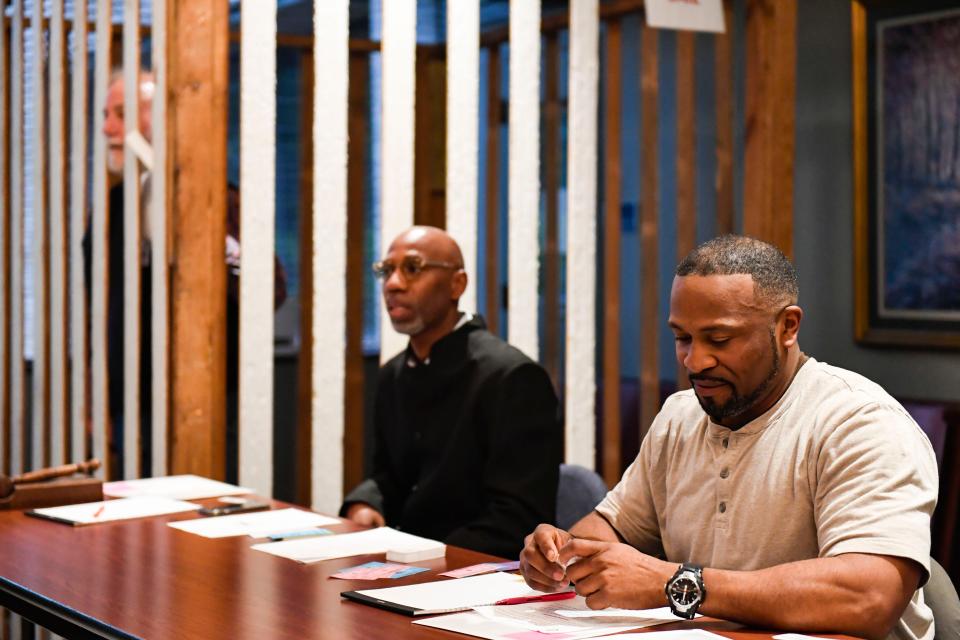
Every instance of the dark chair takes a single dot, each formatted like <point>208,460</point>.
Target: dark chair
<point>941,596</point>
<point>579,491</point>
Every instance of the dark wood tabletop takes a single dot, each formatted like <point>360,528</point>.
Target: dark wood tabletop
<point>141,578</point>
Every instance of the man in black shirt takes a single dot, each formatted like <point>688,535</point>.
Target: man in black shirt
<point>458,415</point>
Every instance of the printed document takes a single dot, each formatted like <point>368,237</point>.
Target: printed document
<point>184,487</point>
<point>344,545</point>
<point>259,524</point>
<point>112,510</point>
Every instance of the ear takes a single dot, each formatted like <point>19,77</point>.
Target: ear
<point>790,319</point>
<point>458,284</point>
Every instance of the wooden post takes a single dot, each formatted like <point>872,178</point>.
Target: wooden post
<point>771,89</point>
<point>551,196</point>
<point>649,232</point>
<point>492,213</point>
<point>197,144</point>
<point>686,157</point>
<point>303,436</point>
<point>723,97</point>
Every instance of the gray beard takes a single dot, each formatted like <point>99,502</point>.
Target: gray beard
<point>410,328</point>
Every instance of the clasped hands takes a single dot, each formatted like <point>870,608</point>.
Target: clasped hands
<point>607,574</point>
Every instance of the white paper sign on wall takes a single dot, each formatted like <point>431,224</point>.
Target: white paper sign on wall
<point>686,15</point>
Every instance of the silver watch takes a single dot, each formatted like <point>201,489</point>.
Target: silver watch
<point>685,590</point>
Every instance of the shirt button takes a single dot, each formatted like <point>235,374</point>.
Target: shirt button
<point>725,473</point>
<point>726,442</point>
<point>723,507</point>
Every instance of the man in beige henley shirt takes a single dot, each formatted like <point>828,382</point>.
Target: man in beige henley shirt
<point>798,495</point>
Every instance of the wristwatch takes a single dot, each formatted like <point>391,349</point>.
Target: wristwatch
<point>685,590</point>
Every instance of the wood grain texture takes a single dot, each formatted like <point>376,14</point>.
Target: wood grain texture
<point>17,383</point>
<point>430,142</point>
<point>304,436</point>
<point>770,112</point>
<point>723,99</point>
<point>611,258</point>
<point>197,110</point>
<point>492,213</point>
<point>686,156</point>
<point>5,213</point>
<point>649,231</point>
<point>552,156</point>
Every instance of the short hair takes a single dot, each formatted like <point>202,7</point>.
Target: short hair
<point>774,278</point>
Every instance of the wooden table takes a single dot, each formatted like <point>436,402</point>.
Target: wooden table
<point>140,578</point>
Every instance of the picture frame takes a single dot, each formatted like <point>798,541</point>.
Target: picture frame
<point>906,94</point>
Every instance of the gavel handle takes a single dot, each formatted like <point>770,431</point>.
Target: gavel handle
<point>56,472</point>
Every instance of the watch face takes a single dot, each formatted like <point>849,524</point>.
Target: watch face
<point>684,591</point>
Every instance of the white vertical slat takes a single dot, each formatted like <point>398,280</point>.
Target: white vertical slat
<point>4,227</point>
<point>463,88</point>
<point>98,234</point>
<point>582,231</point>
<point>58,372</point>
<point>16,241</point>
<point>131,242</point>
<point>399,49</point>
<point>258,81</point>
<point>38,182</point>
<point>523,252</point>
<point>78,217</point>
<point>331,23</point>
<point>158,242</point>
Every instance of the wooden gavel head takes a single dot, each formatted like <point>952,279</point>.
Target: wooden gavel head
<point>8,484</point>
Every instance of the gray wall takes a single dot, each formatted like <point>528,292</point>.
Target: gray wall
<point>823,209</point>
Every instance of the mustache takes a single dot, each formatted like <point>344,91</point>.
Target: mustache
<point>705,378</point>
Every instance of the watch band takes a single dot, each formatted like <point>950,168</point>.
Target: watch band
<point>685,590</point>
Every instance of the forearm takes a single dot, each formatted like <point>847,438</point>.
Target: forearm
<point>593,526</point>
<point>861,595</point>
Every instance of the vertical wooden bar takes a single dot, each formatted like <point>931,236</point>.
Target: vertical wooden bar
<point>582,233</point>
<point>551,196</point>
<point>771,90</point>
<point>16,242</point>
<point>258,118</point>
<point>59,440</point>
<point>523,250</point>
<point>686,156</point>
<point>723,88</point>
<point>197,110</point>
<point>330,121</point>
<point>159,216</point>
<point>430,143</point>
<point>98,234</point>
<point>78,217</point>
<point>463,90</point>
<point>611,258</point>
<point>492,214</point>
<point>649,232</point>
<point>132,233</point>
<point>4,252</point>
<point>304,451</point>
<point>398,50</point>
<point>357,152</point>
<point>40,434</point>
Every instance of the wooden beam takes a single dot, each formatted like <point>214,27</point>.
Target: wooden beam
<point>492,213</point>
<point>551,193</point>
<point>197,110</point>
<point>303,436</point>
<point>358,154</point>
<point>611,259</point>
<point>723,98</point>
<point>686,156</point>
<point>430,140</point>
<point>611,10</point>
<point>5,214</point>
<point>771,91</point>
<point>649,232</point>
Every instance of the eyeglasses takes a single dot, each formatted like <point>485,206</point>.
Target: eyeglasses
<point>411,267</point>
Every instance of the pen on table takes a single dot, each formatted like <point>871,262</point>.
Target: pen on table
<point>547,597</point>
<point>99,511</point>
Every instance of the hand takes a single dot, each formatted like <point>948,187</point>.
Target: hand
<point>539,559</point>
<point>613,574</point>
<point>366,516</point>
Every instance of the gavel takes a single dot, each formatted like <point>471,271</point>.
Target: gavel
<point>9,483</point>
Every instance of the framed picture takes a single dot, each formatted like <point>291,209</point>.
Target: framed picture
<point>906,95</point>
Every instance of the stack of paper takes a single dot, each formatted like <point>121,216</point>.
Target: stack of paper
<point>344,545</point>
<point>260,524</point>
<point>112,510</point>
<point>444,596</point>
<point>185,487</point>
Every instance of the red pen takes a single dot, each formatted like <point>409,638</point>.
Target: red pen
<point>563,595</point>
<point>99,511</point>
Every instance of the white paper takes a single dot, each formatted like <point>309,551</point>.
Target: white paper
<point>661,613</point>
<point>685,15</point>
<point>678,634</point>
<point>112,510</point>
<point>185,487</point>
<point>472,623</point>
<point>795,636</point>
<point>453,594</point>
<point>572,615</point>
<point>344,545</point>
<point>258,524</point>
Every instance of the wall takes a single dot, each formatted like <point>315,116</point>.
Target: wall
<point>823,225</point>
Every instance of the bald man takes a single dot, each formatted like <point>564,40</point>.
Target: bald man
<point>468,436</point>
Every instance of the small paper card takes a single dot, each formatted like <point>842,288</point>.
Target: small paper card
<point>377,571</point>
<point>483,567</point>
<point>685,15</point>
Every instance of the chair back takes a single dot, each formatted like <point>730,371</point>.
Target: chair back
<point>579,491</point>
<point>941,596</point>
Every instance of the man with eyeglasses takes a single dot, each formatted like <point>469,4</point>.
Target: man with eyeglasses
<point>468,438</point>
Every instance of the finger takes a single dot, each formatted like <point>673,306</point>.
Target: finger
<point>598,600</point>
<point>548,541</point>
<point>378,520</point>
<point>580,547</point>
<point>580,570</point>
<point>543,584</point>
<point>539,570</point>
